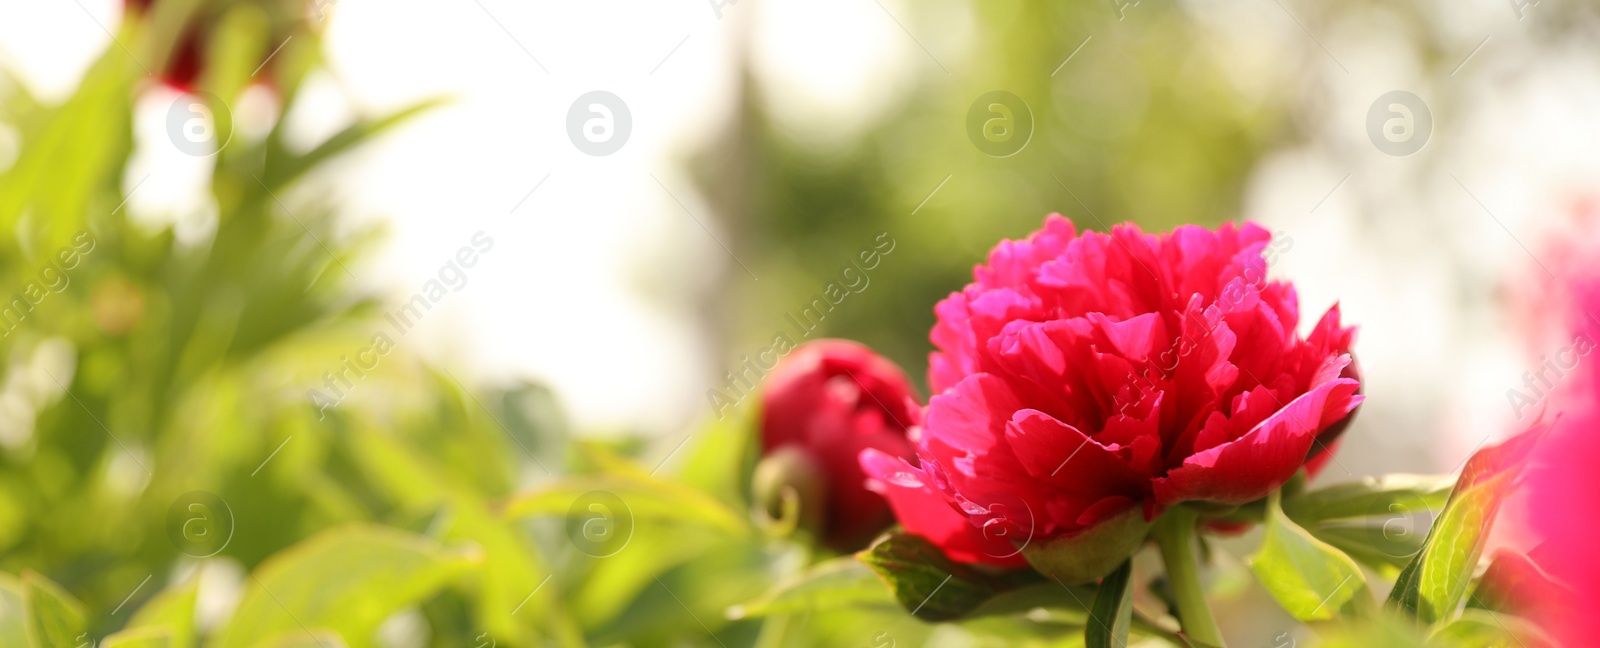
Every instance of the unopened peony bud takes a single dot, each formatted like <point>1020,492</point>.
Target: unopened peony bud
<point>829,400</point>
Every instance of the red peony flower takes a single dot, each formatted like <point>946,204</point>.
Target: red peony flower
<point>1086,383</point>
<point>830,400</point>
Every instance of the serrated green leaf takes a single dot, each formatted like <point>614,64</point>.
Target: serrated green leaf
<point>1112,613</point>
<point>925,582</point>
<point>1309,578</point>
<point>346,580</point>
<point>54,617</point>
<point>1433,583</point>
<point>840,582</point>
<point>1371,497</point>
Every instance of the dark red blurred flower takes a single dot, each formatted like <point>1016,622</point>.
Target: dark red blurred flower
<point>184,65</point>
<point>1086,383</point>
<point>834,399</point>
<point>187,60</point>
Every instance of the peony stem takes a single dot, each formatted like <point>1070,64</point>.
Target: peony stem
<point>1174,533</point>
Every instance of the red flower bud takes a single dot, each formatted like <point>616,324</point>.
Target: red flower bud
<point>833,399</point>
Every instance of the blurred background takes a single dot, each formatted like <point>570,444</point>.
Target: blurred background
<point>274,203</point>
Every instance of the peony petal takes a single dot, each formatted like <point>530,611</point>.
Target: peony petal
<point>1069,460</point>
<point>926,513</point>
<point>1248,468</point>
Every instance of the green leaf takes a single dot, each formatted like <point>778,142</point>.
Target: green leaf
<point>54,617</point>
<point>840,582</point>
<point>171,610</point>
<point>13,612</point>
<point>1432,585</point>
<point>517,579</point>
<point>1371,497</point>
<point>283,167</point>
<point>1113,610</point>
<point>1048,602</point>
<point>151,637</point>
<point>1310,578</point>
<point>1386,549</point>
<point>1485,629</point>
<point>643,496</point>
<point>928,584</point>
<point>346,580</point>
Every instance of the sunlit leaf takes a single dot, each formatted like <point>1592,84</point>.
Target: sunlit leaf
<point>1309,578</point>
<point>172,610</point>
<point>643,497</point>
<point>1432,585</point>
<point>841,582</point>
<point>1380,497</point>
<point>54,617</point>
<point>1385,549</point>
<point>515,596</point>
<point>346,580</point>
<point>13,612</point>
<point>1485,629</point>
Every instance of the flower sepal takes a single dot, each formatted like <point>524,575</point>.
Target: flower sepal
<point>1091,555</point>
<point>790,493</point>
<point>931,586</point>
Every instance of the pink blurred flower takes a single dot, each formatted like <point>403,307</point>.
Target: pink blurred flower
<point>1085,383</point>
<point>1564,502</point>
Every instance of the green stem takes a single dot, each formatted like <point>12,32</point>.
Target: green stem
<point>1174,533</point>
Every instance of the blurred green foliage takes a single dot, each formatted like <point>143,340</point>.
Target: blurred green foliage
<point>1142,124</point>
